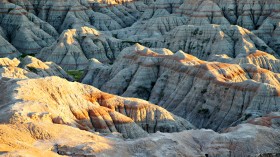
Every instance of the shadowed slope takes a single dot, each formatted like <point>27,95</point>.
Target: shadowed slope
<point>55,100</point>
<point>208,94</point>
<point>75,47</point>
<point>26,32</point>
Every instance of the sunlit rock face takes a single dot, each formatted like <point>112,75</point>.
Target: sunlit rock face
<point>39,139</point>
<point>30,67</point>
<point>146,21</point>
<point>208,41</point>
<point>75,47</point>
<point>158,78</point>
<point>67,14</point>
<point>209,94</point>
<point>57,101</point>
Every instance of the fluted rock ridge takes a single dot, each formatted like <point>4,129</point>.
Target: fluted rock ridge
<point>37,139</point>
<point>75,47</point>
<point>26,32</point>
<point>54,100</point>
<point>208,40</point>
<point>30,67</point>
<point>208,94</point>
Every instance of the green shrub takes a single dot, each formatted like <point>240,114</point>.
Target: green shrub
<point>203,111</point>
<point>76,74</point>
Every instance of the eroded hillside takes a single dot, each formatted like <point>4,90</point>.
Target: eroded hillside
<point>139,78</point>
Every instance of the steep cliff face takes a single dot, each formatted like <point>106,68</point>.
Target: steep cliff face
<point>245,13</point>
<point>207,64</point>
<point>7,49</point>
<point>259,59</point>
<point>142,21</point>
<point>75,47</point>
<point>209,94</point>
<point>67,14</point>
<point>210,41</point>
<point>54,100</point>
<point>30,67</point>
<point>26,32</point>
<point>43,69</point>
<point>152,28</point>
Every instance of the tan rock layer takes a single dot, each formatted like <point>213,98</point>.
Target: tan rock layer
<point>54,100</point>
<point>208,94</point>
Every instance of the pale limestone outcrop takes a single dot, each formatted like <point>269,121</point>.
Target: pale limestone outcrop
<point>30,67</point>
<point>208,94</point>
<point>43,69</point>
<point>44,139</point>
<point>55,100</point>
<point>75,47</point>
<point>8,62</point>
<point>9,69</point>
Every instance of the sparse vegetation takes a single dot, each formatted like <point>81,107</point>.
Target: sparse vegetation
<point>131,42</point>
<point>203,91</point>
<point>76,74</point>
<point>32,69</point>
<point>203,111</point>
<point>24,55</point>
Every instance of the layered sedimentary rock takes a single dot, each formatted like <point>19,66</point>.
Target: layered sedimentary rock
<point>40,139</point>
<point>26,32</point>
<point>75,47</point>
<point>271,120</point>
<point>156,19</point>
<point>50,139</point>
<point>56,101</point>
<point>245,13</point>
<point>6,49</point>
<point>107,15</point>
<point>43,69</point>
<point>209,41</point>
<point>210,64</point>
<point>153,28</point>
<point>269,31</point>
<point>259,58</point>
<point>30,67</point>
<point>209,94</point>
<point>9,69</point>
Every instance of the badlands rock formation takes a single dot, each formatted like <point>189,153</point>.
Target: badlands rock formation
<point>54,100</point>
<point>37,139</point>
<point>43,69</point>
<point>26,32</point>
<point>75,47</point>
<point>30,67</point>
<point>208,94</point>
<point>66,14</point>
<point>207,41</point>
<point>207,75</point>
<point>50,116</point>
<point>7,49</point>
